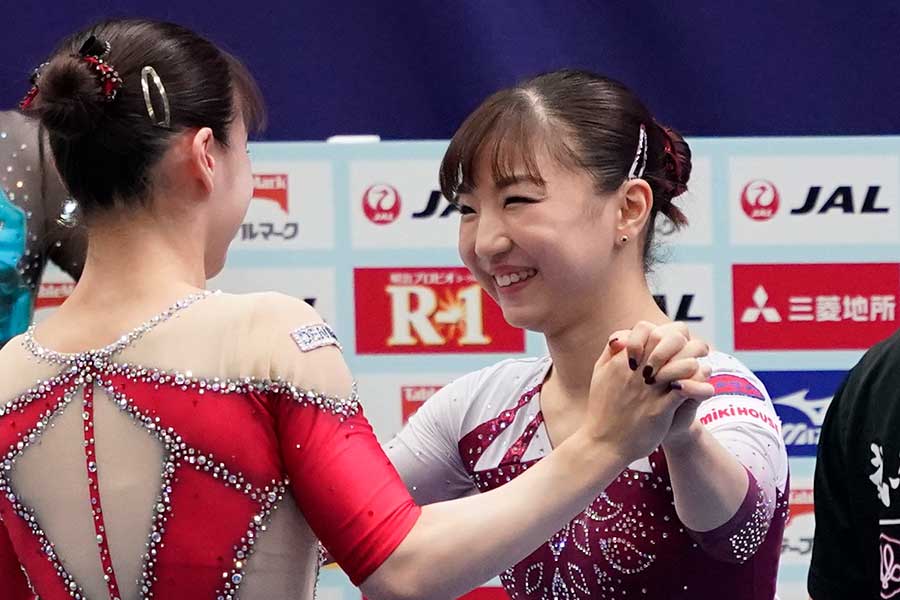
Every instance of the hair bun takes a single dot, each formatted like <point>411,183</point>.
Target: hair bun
<point>69,102</point>
<point>676,173</point>
<point>678,160</point>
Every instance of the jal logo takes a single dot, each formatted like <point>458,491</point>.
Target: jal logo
<point>760,199</point>
<point>681,310</point>
<point>381,203</point>
<point>271,188</point>
<point>414,396</point>
<point>52,295</point>
<point>433,310</point>
<point>840,200</point>
<point>436,206</point>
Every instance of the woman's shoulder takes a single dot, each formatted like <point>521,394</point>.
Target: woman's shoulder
<point>730,376</point>
<point>265,310</point>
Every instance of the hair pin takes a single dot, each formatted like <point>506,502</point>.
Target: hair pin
<point>640,157</point>
<point>148,74</point>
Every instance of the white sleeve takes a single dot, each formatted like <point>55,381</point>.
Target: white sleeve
<point>426,451</point>
<point>742,418</point>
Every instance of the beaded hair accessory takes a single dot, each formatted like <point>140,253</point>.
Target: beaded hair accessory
<point>669,150</point>
<point>640,156</point>
<point>94,53</point>
<point>33,92</point>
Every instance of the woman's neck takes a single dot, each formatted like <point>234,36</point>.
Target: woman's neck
<point>136,265</point>
<point>576,347</point>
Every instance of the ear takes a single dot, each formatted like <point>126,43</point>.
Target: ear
<point>636,204</point>
<point>202,160</point>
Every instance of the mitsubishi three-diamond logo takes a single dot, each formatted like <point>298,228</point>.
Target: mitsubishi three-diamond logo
<point>753,313</point>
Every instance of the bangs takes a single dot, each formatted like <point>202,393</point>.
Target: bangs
<point>509,129</point>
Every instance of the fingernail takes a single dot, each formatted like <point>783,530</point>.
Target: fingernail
<point>649,380</point>
<point>613,341</point>
<point>648,372</point>
<point>675,385</point>
<point>632,363</point>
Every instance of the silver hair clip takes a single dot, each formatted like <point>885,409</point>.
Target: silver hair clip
<point>148,73</point>
<point>640,157</point>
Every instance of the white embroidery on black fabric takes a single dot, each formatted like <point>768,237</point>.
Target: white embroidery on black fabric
<point>877,478</point>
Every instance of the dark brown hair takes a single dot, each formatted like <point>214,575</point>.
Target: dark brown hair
<point>105,150</point>
<point>584,121</point>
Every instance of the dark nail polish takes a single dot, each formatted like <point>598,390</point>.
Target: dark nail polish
<point>648,372</point>
<point>649,380</point>
<point>632,364</point>
<point>675,385</point>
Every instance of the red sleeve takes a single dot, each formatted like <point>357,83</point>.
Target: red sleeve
<point>349,492</point>
<point>12,579</point>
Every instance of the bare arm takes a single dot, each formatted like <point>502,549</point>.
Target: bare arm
<point>709,484</point>
<point>477,537</point>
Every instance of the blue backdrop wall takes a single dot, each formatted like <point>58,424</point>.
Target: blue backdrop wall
<point>412,69</point>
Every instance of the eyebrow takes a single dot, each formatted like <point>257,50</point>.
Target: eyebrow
<point>502,183</point>
<point>510,180</point>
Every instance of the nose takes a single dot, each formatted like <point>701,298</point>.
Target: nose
<point>491,238</point>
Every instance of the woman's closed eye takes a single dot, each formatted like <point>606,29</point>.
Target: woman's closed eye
<point>519,200</point>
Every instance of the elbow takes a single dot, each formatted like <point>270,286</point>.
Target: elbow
<point>398,580</point>
<point>408,584</point>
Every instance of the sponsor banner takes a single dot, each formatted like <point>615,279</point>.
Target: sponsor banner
<point>414,396</point>
<point>428,310</point>
<point>796,548</point>
<point>292,207</point>
<point>801,399</point>
<point>814,306</point>
<point>390,399</point>
<point>397,204</point>
<point>685,293</point>
<point>814,199</point>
